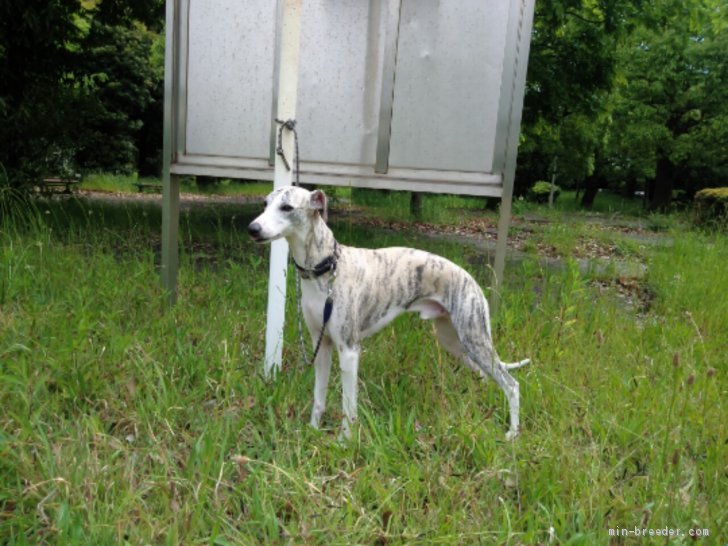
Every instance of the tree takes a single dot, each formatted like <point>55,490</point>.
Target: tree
<point>55,88</point>
<point>571,67</point>
<point>670,121</point>
<point>34,63</point>
<point>115,85</point>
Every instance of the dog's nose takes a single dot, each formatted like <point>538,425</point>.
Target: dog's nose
<point>254,229</point>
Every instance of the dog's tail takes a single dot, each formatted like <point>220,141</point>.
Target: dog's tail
<point>516,365</point>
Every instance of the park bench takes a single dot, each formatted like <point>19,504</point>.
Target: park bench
<point>58,184</point>
<point>151,186</point>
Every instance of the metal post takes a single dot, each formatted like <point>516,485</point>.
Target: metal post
<point>501,245</point>
<point>386,97</point>
<point>170,182</point>
<point>170,229</point>
<point>523,11</point>
<point>287,92</point>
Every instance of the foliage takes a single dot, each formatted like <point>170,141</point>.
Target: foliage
<point>15,204</point>
<point>570,70</point>
<point>541,190</point>
<point>76,80</point>
<point>670,124</point>
<point>116,82</point>
<point>34,60</point>
<point>113,12</point>
<point>711,207</point>
<point>627,94</point>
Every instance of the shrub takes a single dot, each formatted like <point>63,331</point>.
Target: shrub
<point>540,191</point>
<point>711,207</point>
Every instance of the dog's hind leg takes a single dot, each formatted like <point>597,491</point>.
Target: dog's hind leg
<point>323,369</point>
<point>511,389</point>
<point>448,338</point>
<point>477,346</point>
<point>488,362</point>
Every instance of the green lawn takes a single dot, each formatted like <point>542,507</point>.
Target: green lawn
<point>126,422</point>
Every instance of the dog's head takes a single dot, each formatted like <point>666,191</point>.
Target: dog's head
<point>288,210</point>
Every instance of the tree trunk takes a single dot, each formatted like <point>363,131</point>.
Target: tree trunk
<point>661,193</point>
<point>552,189</point>
<point>591,188</point>
<point>630,188</point>
<point>416,204</point>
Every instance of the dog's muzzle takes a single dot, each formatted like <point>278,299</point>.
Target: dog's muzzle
<point>255,229</point>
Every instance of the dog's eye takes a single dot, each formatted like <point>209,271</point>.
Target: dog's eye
<point>286,208</point>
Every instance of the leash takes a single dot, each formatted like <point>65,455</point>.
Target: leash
<point>326,266</point>
<point>329,304</point>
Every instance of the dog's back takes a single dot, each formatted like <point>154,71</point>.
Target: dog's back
<point>377,285</point>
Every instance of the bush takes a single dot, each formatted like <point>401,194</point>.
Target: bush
<point>206,182</point>
<point>711,207</point>
<point>540,191</point>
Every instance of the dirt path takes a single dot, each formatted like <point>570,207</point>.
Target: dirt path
<point>187,200</point>
<point>599,257</point>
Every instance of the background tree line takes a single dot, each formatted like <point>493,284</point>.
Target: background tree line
<point>621,94</point>
<point>628,95</point>
<point>82,86</point>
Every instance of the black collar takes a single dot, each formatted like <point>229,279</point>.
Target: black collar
<point>326,265</point>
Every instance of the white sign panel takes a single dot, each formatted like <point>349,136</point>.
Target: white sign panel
<point>399,94</point>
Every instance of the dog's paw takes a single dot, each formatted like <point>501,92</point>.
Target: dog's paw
<point>511,435</point>
<point>315,422</point>
<point>345,431</point>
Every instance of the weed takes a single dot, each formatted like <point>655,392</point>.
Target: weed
<point>126,422</point>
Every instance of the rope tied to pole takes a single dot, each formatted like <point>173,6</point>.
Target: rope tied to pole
<point>289,124</point>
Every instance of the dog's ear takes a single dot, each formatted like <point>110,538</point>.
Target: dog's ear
<point>318,202</point>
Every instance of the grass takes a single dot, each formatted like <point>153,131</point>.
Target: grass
<point>395,206</point>
<point>606,202</point>
<point>104,182</point>
<point>126,422</point>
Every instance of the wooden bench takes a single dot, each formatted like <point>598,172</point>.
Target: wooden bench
<point>52,185</point>
<point>141,186</point>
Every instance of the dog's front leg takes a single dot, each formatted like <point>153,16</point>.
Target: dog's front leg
<point>323,368</point>
<point>349,363</point>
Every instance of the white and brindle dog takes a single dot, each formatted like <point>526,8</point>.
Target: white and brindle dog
<point>371,288</point>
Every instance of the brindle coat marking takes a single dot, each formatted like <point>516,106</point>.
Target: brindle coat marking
<point>372,287</point>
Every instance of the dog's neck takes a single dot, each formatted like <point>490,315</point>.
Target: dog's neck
<point>311,248</point>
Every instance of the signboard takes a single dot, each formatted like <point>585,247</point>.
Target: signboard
<point>421,95</point>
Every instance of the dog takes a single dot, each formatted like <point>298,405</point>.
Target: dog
<point>362,290</point>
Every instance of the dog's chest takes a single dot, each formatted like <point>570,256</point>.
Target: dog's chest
<point>313,300</point>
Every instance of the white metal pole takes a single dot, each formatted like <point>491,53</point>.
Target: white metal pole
<point>287,92</point>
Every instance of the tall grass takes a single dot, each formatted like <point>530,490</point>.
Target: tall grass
<point>126,422</point>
